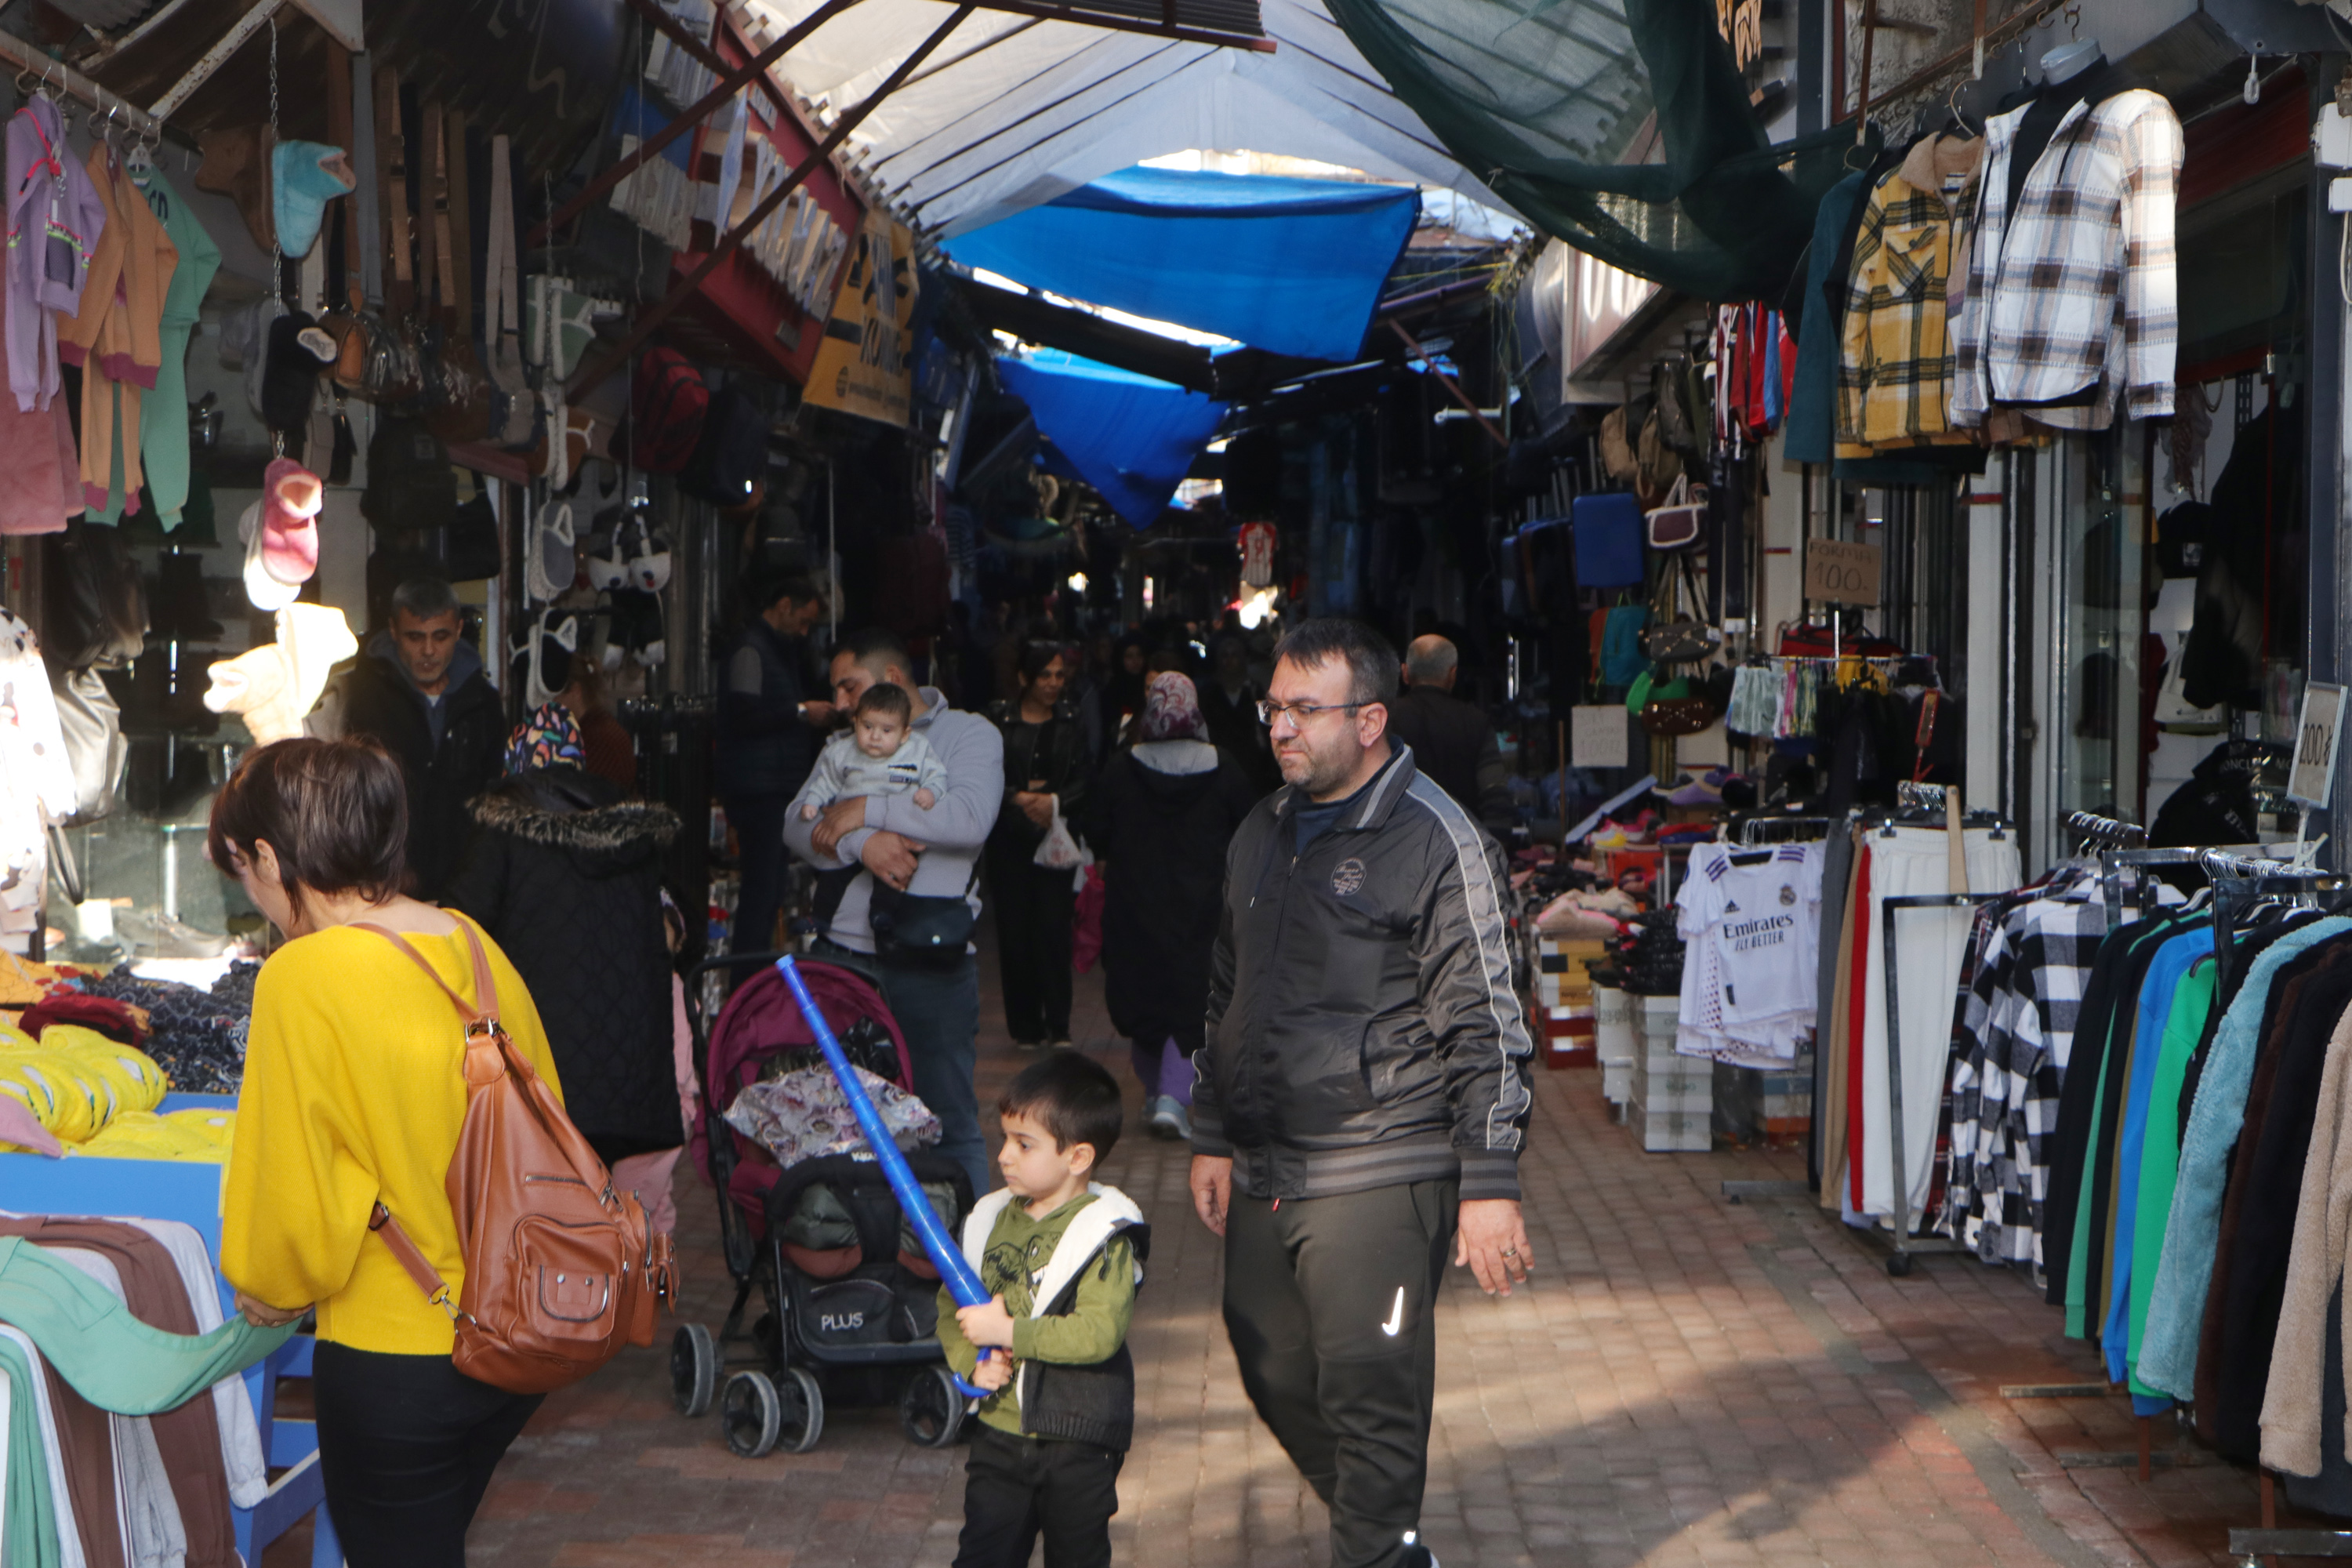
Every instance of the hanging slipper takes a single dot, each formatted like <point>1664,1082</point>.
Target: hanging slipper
<point>304,177</point>
<point>544,656</point>
<point>608,564</point>
<point>266,592</point>
<point>291,496</point>
<point>551,562</point>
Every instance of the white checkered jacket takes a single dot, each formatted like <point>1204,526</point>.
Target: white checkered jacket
<point>2078,286</point>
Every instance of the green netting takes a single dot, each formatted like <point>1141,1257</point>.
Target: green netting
<point>1552,100</point>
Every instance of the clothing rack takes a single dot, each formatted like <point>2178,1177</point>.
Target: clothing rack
<point>2238,888</point>
<point>1757,830</point>
<point>1903,1245</point>
<point>2093,829</point>
<point>2118,867</point>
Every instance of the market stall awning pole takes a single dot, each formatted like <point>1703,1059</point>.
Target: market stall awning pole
<point>1168,27</point>
<point>643,328</point>
<point>1460,396</point>
<point>729,84</point>
<point>211,60</point>
<point>703,55</point>
<point>30,58</point>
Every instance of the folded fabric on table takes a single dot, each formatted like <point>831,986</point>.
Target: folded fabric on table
<point>108,1357</point>
<point>31,1532</point>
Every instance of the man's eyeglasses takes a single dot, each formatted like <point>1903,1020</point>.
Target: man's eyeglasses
<point>1300,713</point>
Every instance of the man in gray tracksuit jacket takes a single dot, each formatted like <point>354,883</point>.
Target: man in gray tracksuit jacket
<point>1362,1094</point>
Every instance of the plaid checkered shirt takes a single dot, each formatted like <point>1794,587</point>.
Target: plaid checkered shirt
<point>2015,1030</point>
<point>2077,288</point>
<point>1894,359</point>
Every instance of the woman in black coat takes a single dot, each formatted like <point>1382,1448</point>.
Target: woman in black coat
<point>566,875</point>
<point>1045,771</point>
<point>1162,814</point>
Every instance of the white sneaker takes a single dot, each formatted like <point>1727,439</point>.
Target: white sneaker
<point>1169,1120</point>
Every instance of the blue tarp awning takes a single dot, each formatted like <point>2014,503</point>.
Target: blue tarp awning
<point>1293,266</point>
<point>1130,437</point>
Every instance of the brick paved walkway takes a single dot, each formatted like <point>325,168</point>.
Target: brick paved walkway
<point>1691,1383</point>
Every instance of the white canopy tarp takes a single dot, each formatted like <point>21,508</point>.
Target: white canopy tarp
<point>1012,111</point>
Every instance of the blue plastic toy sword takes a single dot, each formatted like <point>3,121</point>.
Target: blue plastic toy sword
<point>946,1257</point>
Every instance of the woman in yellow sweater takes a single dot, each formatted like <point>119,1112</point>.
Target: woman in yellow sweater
<point>352,1094</point>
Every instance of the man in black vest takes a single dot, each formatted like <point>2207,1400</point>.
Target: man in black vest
<point>771,721</point>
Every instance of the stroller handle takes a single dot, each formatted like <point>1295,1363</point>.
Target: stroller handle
<point>946,1257</point>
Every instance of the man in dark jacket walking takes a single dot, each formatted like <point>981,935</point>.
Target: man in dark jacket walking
<point>419,690</point>
<point>1363,1093</point>
<point>1452,742</point>
<point>772,723</point>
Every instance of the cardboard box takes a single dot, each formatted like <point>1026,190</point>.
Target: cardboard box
<point>1672,1131</point>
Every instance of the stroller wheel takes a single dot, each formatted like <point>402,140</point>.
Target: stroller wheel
<point>693,1369</point>
<point>751,1413</point>
<point>803,1415</point>
<point>931,1410</point>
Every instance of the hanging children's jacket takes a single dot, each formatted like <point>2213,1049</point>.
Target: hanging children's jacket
<point>163,419</point>
<point>117,335</point>
<point>56,218</point>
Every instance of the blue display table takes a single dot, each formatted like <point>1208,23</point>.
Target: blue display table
<point>190,1192</point>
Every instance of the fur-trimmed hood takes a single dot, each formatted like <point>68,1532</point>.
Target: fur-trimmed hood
<point>578,814</point>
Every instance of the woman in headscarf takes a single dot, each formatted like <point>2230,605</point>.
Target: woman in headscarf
<point>567,876</point>
<point>1160,823</point>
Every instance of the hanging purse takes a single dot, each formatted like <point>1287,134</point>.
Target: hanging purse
<point>516,414</point>
<point>1680,638</point>
<point>1676,525</point>
<point>1677,715</point>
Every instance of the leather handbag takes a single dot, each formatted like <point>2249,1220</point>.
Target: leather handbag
<point>1617,449</point>
<point>1681,634</point>
<point>1677,715</point>
<point>1676,525</point>
<point>561,1270</point>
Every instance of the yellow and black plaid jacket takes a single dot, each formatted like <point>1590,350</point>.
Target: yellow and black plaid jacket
<point>1894,364</point>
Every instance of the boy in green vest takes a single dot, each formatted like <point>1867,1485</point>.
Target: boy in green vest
<point>1062,1254</point>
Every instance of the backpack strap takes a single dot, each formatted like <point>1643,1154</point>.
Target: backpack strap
<point>380,1219</point>
<point>412,1258</point>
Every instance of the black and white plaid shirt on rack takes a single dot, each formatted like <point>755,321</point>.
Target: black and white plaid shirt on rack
<point>2016,1031</point>
<point>2077,287</point>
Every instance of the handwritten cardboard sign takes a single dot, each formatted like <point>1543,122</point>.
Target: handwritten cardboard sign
<point>1842,572</point>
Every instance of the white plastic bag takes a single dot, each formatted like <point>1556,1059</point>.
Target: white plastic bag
<point>1059,849</point>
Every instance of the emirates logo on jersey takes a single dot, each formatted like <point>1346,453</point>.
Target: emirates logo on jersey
<point>1347,878</point>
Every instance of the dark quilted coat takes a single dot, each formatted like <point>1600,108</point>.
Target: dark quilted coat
<point>566,875</point>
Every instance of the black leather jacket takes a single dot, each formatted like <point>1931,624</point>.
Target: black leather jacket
<point>1055,752</point>
<point>1362,1027</point>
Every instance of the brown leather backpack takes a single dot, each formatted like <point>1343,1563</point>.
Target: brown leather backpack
<point>561,1270</point>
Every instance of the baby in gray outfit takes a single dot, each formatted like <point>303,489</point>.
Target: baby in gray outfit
<point>879,754</point>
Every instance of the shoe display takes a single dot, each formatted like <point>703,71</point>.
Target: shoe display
<point>292,497</point>
<point>1170,1120</point>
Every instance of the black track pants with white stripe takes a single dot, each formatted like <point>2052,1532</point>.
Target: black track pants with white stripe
<point>1329,1304</point>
